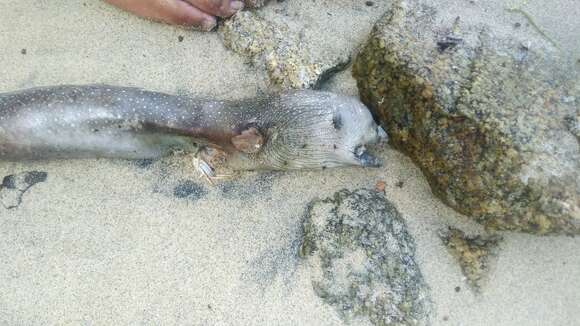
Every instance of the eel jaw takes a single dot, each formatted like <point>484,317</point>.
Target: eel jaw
<point>366,159</point>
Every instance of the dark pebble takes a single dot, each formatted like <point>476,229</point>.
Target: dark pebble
<point>9,182</point>
<point>35,177</point>
<point>144,163</point>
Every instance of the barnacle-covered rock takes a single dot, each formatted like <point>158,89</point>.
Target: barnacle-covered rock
<point>279,49</point>
<point>362,259</point>
<point>492,122</point>
<point>473,253</point>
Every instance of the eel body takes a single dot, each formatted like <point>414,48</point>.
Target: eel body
<point>292,130</point>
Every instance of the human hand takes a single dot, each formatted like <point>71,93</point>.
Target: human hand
<point>197,13</point>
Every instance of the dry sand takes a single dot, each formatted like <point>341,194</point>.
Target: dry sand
<point>105,242</point>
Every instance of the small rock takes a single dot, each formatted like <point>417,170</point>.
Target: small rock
<point>14,186</point>
<point>278,49</point>
<point>144,163</point>
<point>473,254</point>
<point>363,259</point>
<point>380,186</point>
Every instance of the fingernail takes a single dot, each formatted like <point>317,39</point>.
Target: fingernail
<point>237,5</point>
<point>208,24</point>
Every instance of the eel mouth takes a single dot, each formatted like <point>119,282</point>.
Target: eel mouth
<point>366,159</point>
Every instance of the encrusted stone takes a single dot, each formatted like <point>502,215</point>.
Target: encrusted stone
<point>492,122</point>
<point>362,259</point>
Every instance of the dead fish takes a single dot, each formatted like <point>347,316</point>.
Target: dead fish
<point>292,130</point>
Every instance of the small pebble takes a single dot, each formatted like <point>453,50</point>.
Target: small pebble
<point>400,184</point>
<point>369,3</point>
<point>23,51</point>
<point>180,38</point>
<point>457,289</point>
<point>380,186</point>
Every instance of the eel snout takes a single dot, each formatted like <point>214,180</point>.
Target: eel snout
<point>365,158</point>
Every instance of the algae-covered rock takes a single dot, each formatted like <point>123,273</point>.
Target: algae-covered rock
<point>473,253</point>
<point>492,122</point>
<point>279,49</point>
<point>362,259</point>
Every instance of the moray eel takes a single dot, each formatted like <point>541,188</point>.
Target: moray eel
<point>293,130</point>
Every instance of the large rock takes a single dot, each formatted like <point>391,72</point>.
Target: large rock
<point>362,259</point>
<point>492,122</point>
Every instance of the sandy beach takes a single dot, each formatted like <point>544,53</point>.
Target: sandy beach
<point>110,242</point>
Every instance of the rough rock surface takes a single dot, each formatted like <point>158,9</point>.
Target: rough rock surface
<point>362,259</point>
<point>255,3</point>
<point>473,253</point>
<point>492,122</point>
<point>279,49</point>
